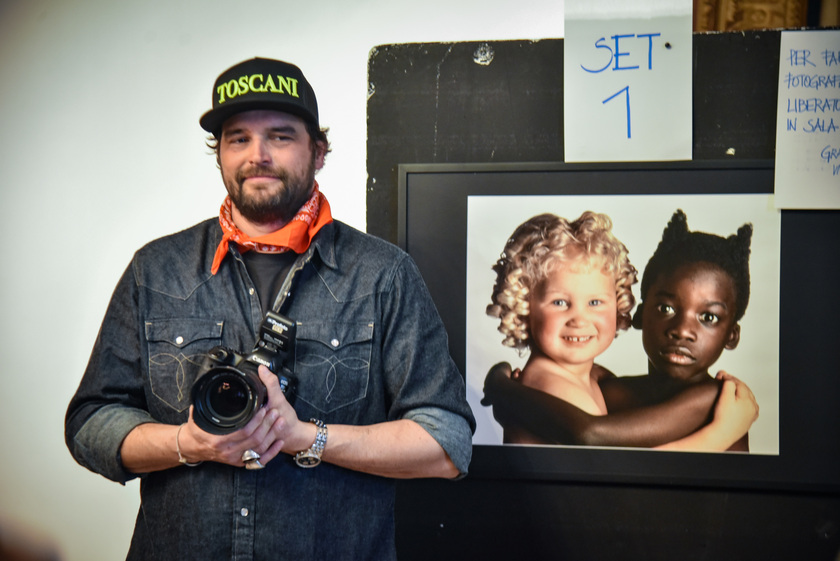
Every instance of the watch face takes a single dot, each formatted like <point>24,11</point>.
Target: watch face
<point>307,460</point>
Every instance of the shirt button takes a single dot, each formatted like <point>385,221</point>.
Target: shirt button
<point>179,340</point>
<point>334,342</point>
<point>244,512</point>
<point>251,291</point>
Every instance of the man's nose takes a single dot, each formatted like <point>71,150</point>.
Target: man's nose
<point>259,154</point>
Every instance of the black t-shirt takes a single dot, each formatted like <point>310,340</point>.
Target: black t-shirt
<point>268,271</point>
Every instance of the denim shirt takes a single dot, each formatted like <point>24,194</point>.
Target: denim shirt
<point>370,348</point>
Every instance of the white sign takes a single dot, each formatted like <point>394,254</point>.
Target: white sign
<point>627,81</point>
<point>808,121</point>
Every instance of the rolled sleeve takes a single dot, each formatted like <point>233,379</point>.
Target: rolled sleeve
<point>430,389</point>
<point>450,430</point>
<point>110,401</point>
<point>97,444</point>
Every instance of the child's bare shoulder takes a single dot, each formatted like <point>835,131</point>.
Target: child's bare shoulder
<point>536,375</point>
<point>578,391</point>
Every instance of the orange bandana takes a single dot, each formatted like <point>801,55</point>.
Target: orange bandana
<point>295,236</point>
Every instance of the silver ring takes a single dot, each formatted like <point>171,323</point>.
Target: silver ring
<point>253,464</point>
<point>249,455</point>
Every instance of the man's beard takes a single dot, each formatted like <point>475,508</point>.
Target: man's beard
<point>282,205</point>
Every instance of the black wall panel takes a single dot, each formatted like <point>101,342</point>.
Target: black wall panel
<point>435,103</point>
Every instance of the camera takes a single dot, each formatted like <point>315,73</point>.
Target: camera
<point>228,390</point>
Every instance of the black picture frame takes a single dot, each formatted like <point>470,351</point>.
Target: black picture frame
<point>432,228</point>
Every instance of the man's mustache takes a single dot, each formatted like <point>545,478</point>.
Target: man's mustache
<point>261,171</point>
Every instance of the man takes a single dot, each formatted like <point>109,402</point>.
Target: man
<point>370,366</point>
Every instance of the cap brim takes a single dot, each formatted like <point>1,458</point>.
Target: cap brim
<point>213,120</point>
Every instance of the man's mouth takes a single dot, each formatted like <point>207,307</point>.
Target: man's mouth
<point>259,173</point>
<point>677,355</point>
<point>263,177</point>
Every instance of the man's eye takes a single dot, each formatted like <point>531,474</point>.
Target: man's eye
<point>708,317</point>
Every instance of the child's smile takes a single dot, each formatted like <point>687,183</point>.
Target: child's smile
<point>688,320</point>
<point>577,339</point>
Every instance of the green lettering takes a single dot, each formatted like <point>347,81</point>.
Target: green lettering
<point>289,84</point>
<point>251,83</point>
<point>232,89</point>
<point>221,91</point>
<point>243,85</point>
<point>269,85</point>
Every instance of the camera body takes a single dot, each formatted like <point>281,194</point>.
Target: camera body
<point>228,390</point>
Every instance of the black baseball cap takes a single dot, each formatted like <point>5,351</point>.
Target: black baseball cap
<point>260,83</point>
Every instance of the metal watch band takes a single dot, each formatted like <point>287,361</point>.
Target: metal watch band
<point>320,437</point>
<point>312,457</point>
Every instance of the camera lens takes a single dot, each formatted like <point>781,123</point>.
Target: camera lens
<point>226,398</point>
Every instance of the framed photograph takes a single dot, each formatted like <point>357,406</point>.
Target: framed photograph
<point>454,220</point>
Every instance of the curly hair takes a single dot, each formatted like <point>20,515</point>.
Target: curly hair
<point>536,247</point>
<point>679,247</point>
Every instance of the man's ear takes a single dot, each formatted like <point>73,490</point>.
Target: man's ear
<point>734,337</point>
<point>320,154</point>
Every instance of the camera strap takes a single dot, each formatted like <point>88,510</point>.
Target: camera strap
<point>284,295</point>
<point>269,272</point>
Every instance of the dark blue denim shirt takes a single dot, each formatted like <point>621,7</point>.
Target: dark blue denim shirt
<point>370,348</point>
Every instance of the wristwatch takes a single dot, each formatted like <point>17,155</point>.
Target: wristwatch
<point>312,457</point>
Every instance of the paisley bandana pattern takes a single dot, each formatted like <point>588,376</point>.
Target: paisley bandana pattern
<point>295,236</point>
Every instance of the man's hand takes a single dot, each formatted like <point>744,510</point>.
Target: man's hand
<point>399,448</point>
<point>265,433</point>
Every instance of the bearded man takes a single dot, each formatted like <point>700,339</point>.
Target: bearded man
<point>371,393</point>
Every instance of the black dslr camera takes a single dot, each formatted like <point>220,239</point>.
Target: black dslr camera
<point>228,390</point>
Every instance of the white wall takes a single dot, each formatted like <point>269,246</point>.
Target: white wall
<point>101,151</point>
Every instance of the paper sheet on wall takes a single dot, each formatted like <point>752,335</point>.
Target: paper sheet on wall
<point>627,80</point>
<point>808,121</point>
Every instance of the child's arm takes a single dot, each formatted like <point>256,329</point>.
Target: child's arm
<point>735,412</point>
<point>557,421</point>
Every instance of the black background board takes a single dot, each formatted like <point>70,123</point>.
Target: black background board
<point>431,104</point>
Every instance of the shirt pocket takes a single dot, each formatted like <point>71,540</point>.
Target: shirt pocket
<point>176,351</point>
<point>332,363</point>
